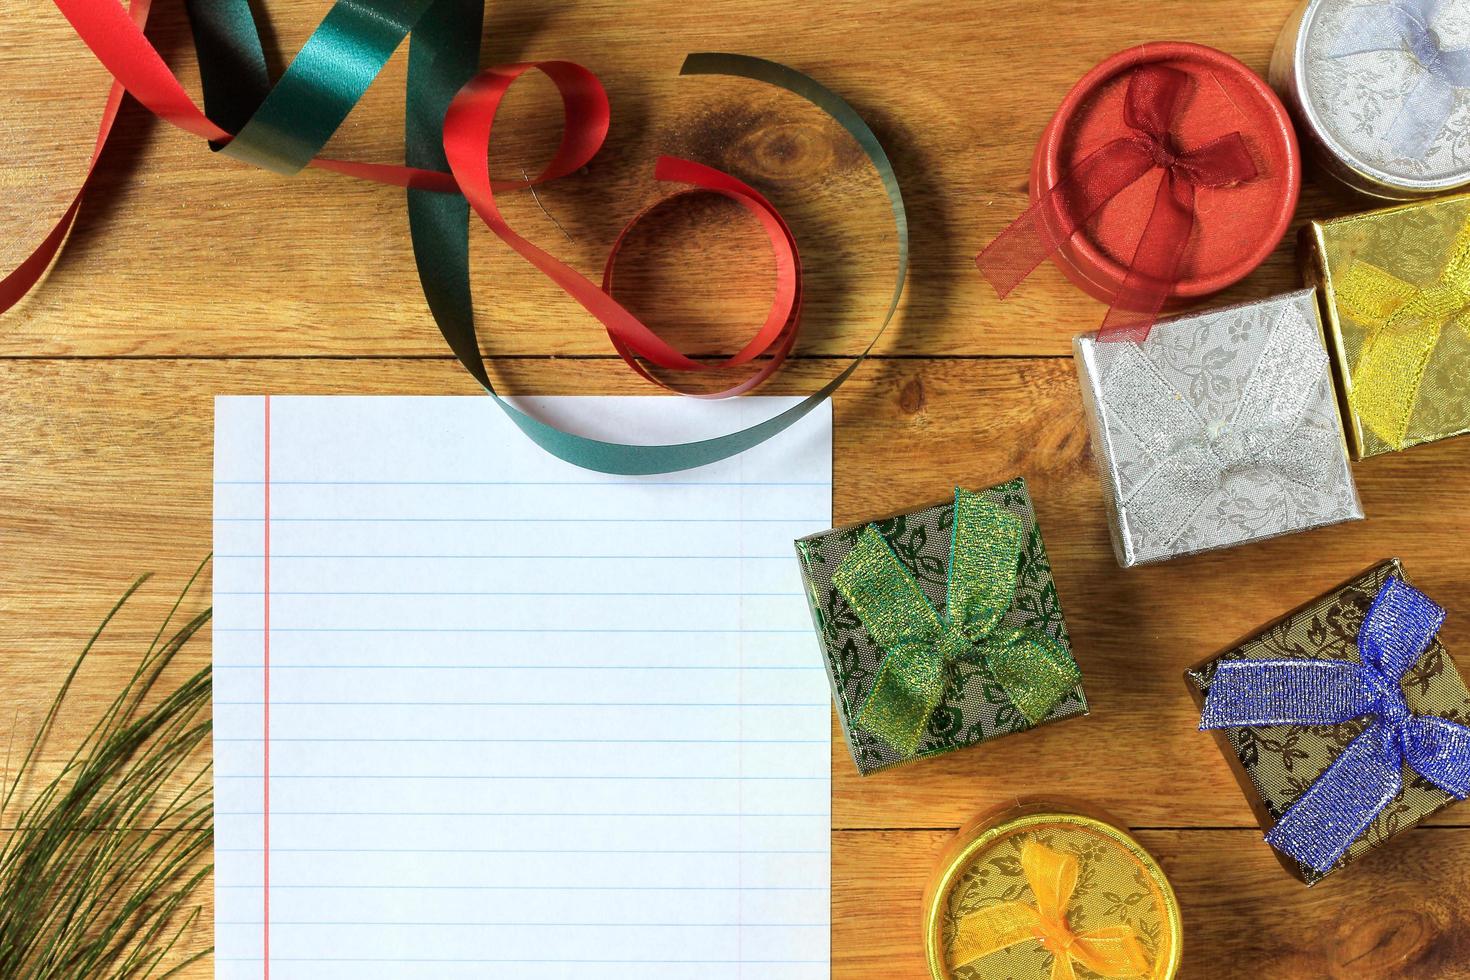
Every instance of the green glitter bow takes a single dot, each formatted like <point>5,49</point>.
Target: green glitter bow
<point>922,648</point>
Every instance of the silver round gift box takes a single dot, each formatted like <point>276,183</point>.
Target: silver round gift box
<point>1375,88</point>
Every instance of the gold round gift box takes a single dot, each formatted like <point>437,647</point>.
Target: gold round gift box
<point>1024,885</point>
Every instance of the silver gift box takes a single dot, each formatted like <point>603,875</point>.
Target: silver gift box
<point>1219,428</point>
<point>1381,92</point>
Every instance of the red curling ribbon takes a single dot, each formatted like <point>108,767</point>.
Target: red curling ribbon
<point>778,335</point>
<point>119,43</point>
<point>1150,108</point>
<point>468,126</point>
<point>23,277</point>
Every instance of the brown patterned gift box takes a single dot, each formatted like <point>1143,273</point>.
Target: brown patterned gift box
<point>1278,764</point>
<point>998,657</point>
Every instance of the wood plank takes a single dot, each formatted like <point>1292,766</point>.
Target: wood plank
<point>182,252</point>
<point>1391,916</point>
<point>108,473</point>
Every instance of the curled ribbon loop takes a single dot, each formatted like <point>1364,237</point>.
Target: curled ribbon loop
<point>1367,775</point>
<point>282,127</point>
<point>1404,324</point>
<point>468,127</point>
<point>1408,26</point>
<point>922,648</point>
<point>1153,101</point>
<point>1111,951</point>
<point>20,280</point>
<point>778,335</point>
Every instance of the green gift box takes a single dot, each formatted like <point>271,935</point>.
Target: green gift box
<point>941,628</point>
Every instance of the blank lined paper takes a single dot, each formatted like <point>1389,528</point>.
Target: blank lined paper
<point>480,713</point>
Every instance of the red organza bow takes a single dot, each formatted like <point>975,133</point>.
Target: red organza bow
<point>1149,110</point>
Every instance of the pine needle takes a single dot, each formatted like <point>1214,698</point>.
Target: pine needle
<point>98,877</point>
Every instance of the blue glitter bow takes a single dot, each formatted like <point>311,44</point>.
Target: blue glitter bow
<point>1368,774</point>
<point>1408,25</point>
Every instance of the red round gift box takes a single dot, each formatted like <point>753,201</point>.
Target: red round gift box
<point>1235,227</point>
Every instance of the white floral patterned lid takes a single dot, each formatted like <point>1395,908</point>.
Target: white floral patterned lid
<point>1383,87</point>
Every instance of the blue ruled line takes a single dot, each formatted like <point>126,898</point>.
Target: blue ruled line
<point>348,959</point>
<point>275,594</point>
<point>449,813</point>
<point>465,776</point>
<point>276,666</point>
<point>525,520</point>
<point>546,741</point>
<point>521,483</point>
<point>526,925</point>
<point>539,704</point>
<point>487,629</point>
<point>789,557</point>
<point>496,850</point>
<point>542,888</point>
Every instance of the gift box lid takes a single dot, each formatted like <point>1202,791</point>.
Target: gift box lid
<point>1236,227</point>
<point>1032,881</point>
<point>1379,90</point>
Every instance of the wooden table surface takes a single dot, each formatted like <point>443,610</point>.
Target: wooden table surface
<point>189,275</point>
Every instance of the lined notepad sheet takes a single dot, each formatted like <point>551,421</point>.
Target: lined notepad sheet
<point>480,713</point>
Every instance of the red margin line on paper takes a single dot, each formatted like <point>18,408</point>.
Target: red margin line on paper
<point>265,951</point>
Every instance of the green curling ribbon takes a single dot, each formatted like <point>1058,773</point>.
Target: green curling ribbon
<point>334,69</point>
<point>633,460</point>
<point>443,54</point>
<point>921,648</point>
<point>325,80</point>
<point>232,69</point>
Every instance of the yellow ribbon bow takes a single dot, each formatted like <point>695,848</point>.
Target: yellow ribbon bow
<point>1112,951</point>
<point>1404,324</point>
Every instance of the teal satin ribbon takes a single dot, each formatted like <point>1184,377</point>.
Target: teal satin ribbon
<point>443,54</point>
<point>231,60</point>
<point>325,80</point>
<point>330,75</point>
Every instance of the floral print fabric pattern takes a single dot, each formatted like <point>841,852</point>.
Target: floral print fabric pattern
<point>1218,429</point>
<point>1113,889</point>
<point>1282,761</point>
<point>975,707</point>
<point>1412,243</point>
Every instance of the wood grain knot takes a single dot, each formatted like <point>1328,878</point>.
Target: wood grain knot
<point>911,396</point>
<point>785,151</point>
<point>1382,945</point>
<point>764,143</point>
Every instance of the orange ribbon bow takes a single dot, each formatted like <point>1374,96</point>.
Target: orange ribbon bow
<point>1112,951</point>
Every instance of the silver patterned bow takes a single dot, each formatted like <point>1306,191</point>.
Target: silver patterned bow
<point>1193,459</point>
<point>1408,26</point>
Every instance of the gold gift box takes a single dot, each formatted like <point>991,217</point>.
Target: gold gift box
<point>1395,293</point>
<point>1032,889</point>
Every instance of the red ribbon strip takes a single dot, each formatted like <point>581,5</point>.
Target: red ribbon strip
<point>116,37</point>
<point>1151,105</point>
<point>23,277</point>
<point>467,130</point>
